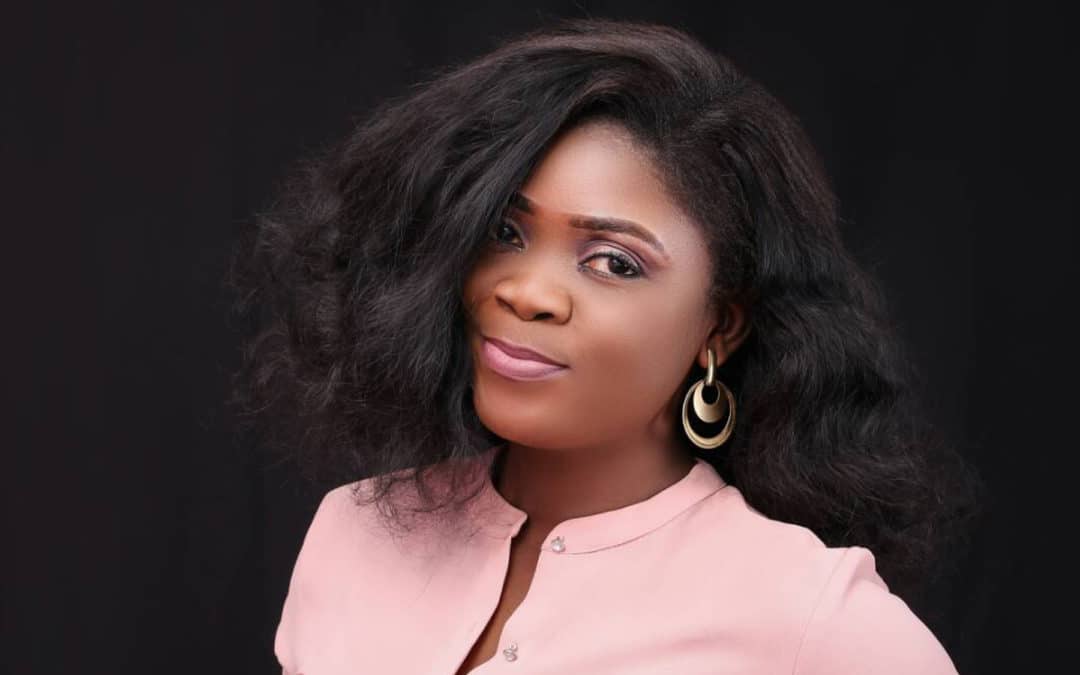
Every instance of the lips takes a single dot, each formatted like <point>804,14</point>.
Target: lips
<point>516,362</point>
<point>522,353</point>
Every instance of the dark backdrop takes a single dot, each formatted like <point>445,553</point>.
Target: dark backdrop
<point>142,536</point>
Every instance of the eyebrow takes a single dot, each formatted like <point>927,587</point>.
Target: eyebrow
<point>598,223</point>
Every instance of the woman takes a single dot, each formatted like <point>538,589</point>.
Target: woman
<point>573,328</point>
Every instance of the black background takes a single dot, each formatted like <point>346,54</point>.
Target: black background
<point>143,536</point>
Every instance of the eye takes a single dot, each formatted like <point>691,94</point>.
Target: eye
<point>503,229</point>
<point>620,265</point>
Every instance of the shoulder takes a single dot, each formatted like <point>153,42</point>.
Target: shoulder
<point>830,602</point>
<point>335,526</point>
<point>774,557</point>
<point>348,538</point>
<point>350,558</point>
<point>857,625</point>
<point>346,546</point>
<point>350,530</point>
<point>325,546</point>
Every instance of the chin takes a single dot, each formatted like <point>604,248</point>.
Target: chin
<point>508,421</point>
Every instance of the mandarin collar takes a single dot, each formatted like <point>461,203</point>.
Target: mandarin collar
<point>586,534</point>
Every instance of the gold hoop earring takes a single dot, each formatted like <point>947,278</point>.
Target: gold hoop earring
<point>708,412</point>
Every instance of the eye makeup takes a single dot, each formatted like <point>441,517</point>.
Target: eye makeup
<point>628,262</point>
<point>622,226</point>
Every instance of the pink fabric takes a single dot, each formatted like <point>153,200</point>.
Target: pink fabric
<point>690,581</point>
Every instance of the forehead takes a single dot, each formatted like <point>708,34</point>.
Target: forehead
<point>598,170</point>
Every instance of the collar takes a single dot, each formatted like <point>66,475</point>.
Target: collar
<point>586,534</point>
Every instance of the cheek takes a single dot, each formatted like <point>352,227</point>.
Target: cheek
<point>643,347</point>
<point>633,356</point>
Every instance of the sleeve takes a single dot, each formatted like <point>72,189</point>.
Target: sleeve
<point>858,626</point>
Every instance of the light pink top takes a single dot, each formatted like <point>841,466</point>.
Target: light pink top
<point>689,581</point>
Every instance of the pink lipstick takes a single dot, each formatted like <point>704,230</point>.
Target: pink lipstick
<point>522,364</point>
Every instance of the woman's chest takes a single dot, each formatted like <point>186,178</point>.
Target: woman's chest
<point>637,612</point>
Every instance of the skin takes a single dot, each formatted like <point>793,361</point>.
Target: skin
<point>602,433</point>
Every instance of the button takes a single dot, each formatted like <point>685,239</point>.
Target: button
<point>511,652</point>
<point>558,545</point>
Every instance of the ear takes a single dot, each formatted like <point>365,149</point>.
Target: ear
<point>730,330</point>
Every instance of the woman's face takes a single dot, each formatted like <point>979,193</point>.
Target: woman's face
<point>626,315</point>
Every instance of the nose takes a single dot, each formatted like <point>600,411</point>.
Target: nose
<point>533,296</point>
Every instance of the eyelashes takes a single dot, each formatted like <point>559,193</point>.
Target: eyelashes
<point>618,259</point>
<point>622,262</point>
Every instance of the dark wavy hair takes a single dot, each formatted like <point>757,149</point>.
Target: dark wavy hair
<point>358,363</point>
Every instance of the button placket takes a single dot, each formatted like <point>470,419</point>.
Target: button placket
<point>510,653</point>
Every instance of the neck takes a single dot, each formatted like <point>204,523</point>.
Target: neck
<point>553,485</point>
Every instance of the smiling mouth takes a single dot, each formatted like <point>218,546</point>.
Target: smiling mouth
<point>516,367</point>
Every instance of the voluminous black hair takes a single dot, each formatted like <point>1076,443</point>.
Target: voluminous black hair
<point>359,364</point>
